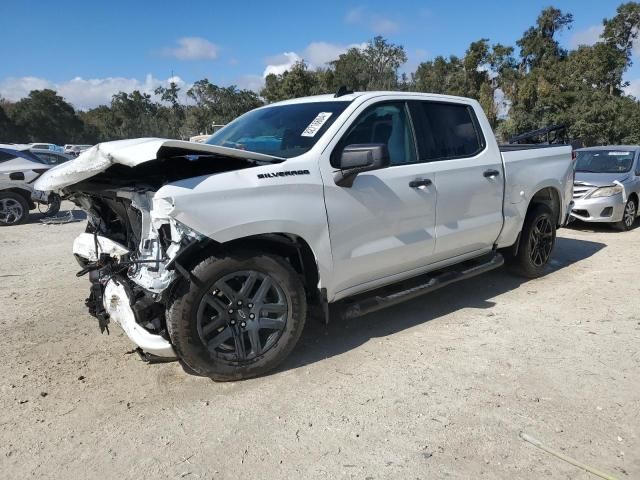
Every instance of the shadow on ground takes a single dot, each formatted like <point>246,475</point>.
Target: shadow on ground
<point>319,342</point>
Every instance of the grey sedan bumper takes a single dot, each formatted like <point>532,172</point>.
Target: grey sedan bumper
<point>602,209</point>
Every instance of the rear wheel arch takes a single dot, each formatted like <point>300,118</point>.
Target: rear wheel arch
<point>550,197</point>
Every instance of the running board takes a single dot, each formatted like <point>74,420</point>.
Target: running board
<point>433,282</point>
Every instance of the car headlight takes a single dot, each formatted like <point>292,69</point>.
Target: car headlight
<point>162,207</point>
<point>607,191</point>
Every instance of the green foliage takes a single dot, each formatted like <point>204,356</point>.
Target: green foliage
<point>374,67</point>
<point>45,116</point>
<point>216,105</point>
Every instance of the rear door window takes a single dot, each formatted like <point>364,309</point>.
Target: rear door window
<point>445,130</point>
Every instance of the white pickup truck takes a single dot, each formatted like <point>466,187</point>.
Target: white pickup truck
<point>216,253</point>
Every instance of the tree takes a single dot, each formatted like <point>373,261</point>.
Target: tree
<point>622,30</point>
<point>298,81</point>
<point>44,116</point>
<point>176,113</point>
<point>350,69</point>
<point>538,45</point>
<point>9,132</point>
<point>217,105</point>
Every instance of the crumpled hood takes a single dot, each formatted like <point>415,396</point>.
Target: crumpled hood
<point>130,153</point>
<point>600,179</point>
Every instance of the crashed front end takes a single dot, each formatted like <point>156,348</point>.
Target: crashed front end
<point>128,251</point>
<point>132,240</point>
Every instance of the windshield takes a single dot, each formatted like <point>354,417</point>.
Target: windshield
<point>604,161</point>
<point>282,131</point>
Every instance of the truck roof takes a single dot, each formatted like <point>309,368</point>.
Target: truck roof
<point>367,95</point>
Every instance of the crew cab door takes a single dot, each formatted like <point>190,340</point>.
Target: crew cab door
<point>383,224</point>
<point>468,176</point>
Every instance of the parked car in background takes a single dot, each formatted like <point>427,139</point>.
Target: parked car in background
<point>212,252</point>
<point>19,168</point>
<point>607,185</point>
<point>50,157</point>
<point>75,150</point>
<point>47,146</point>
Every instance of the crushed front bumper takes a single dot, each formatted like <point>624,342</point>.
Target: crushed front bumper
<point>117,304</point>
<point>603,209</point>
<point>112,298</point>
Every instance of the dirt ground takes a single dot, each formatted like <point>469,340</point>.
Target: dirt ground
<point>439,387</point>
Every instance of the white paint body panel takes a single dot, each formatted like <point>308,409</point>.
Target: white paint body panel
<point>378,231</point>
<point>116,303</point>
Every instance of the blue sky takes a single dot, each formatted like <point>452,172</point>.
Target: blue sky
<point>89,50</point>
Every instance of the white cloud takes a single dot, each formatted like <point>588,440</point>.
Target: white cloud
<point>633,88</point>
<point>84,93</point>
<point>250,82</point>
<point>588,36</point>
<point>377,23</point>
<point>591,35</point>
<point>316,54</point>
<point>193,48</point>
<point>279,64</point>
<point>321,53</point>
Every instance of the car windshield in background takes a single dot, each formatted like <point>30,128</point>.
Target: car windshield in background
<point>604,161</point>
<point>282,131</point>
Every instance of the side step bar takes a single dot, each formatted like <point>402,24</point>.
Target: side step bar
<point>433,282</point>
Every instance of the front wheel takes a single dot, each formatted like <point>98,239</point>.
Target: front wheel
<point>241,317</point>
<point>537,240</point>
<point>628,217</point>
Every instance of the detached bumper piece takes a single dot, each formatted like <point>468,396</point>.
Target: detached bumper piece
<point>117,303</point>
<point>114,302</point>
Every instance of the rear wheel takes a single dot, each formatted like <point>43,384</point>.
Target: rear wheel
<point>241,319</point>
<point>537,240</point>
<point>628,217</point>
<point>14,209</point>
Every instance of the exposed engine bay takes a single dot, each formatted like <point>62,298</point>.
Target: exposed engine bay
<point>131,242</point>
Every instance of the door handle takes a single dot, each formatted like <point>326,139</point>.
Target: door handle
<point>420,182</point>
<point>491,173</point>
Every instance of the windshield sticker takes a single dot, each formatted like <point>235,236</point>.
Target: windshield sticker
<point>619,153</point>
<point>316,124</point>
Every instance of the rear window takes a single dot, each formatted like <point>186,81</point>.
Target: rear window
<point>446,130</point>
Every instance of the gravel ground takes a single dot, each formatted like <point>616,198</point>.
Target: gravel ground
<point>439,387</point>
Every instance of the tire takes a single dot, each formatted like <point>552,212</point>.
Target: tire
<point>537,240</point>
<point>628,217</point>
<point>245,340</point>
<point>14,209</point>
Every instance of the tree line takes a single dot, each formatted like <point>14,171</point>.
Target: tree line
<point>523,87</point>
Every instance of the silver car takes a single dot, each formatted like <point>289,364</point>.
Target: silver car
<point>607,185</point>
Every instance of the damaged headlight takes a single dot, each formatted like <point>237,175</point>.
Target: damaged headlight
<point>163,207</point>
<point>179,231</point>
<point>607,191</point>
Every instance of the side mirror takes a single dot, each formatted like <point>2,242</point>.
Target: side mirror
<point>359,158</point>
